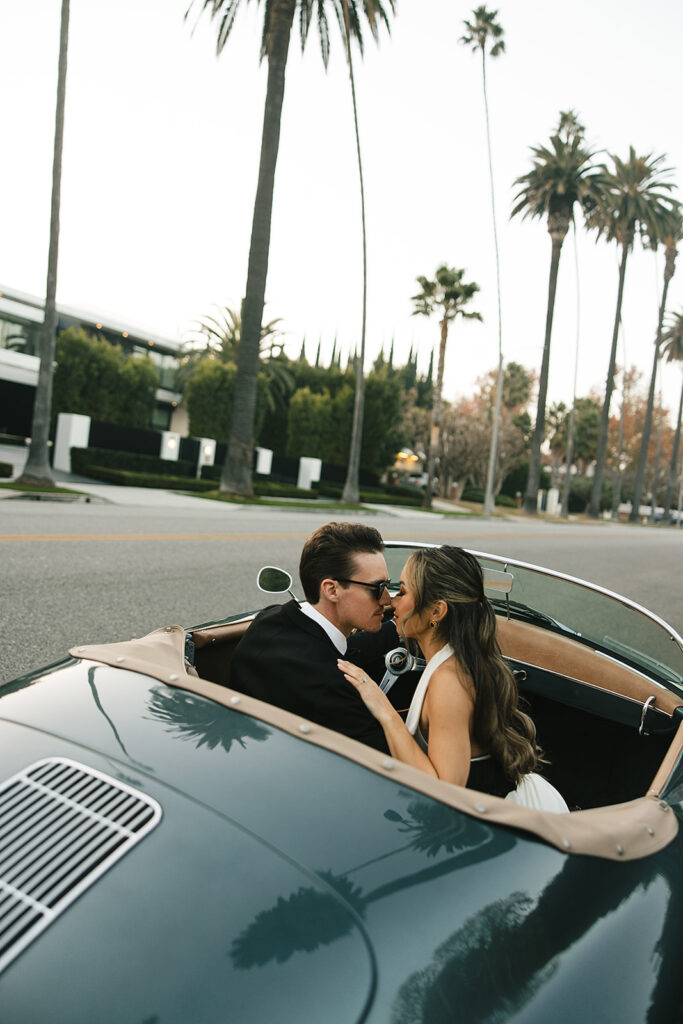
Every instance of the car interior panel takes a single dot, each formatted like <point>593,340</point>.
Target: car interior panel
<point>604,727</point>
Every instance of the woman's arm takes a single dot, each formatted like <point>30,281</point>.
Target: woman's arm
<point>448,710</point>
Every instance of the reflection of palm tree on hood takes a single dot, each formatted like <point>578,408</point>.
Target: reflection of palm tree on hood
<point>494,964</point>
<point>202,721</point>
<point>312,917</point>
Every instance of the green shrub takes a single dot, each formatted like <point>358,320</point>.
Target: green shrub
<point>472,494</point>
<point>209,396</point>
<point>372,496</point>
<point>477,494</point>
<point>506,501</point>
<point>82,459</point>
<point>580,490</point>
<point>97,379</point>
<point>5,469</point>
<point>279,490</point>
<point>127,478</point>
<point>405,491</point>
<point>516,480</point>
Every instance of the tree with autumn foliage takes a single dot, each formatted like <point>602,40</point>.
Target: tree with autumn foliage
<point>467,426</point>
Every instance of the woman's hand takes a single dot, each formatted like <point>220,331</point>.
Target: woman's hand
<point>377,702</point>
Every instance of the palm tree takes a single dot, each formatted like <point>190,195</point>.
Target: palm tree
<point>218,335</point>
<point>674,233</point>
<point>37,468</point>
<point>562,175</point>
<point>277,28</point>
<point>351,492</point>
<point>479,32</point>
<point>672,348</point>
<point>636,200</point>
<point>448,295</point>
<point>569,454</point>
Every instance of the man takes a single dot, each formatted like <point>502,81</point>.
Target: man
<point>288,656</point>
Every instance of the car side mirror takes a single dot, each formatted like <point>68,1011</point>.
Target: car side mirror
<point>272,580</point>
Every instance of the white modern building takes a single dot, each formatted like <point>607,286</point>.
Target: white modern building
<point>21,320</point>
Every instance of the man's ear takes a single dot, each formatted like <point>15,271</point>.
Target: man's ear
<point>329,589</point>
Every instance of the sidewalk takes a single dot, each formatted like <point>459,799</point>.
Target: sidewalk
<point>152,497</point>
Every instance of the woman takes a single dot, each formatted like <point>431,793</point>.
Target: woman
<point>464,724</point>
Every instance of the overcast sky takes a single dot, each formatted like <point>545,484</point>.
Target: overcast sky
<point>161,154</point>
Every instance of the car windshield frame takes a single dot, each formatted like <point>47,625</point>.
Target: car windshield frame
<point>650,662</point>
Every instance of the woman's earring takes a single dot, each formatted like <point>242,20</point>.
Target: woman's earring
<point>432,624</point>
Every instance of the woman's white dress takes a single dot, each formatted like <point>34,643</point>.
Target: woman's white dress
<point>533,791</point>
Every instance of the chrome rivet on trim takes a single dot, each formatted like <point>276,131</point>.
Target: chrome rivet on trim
<point>388,764</point>
<point>650,830</point>
<point>235,700</point>
<point>662,806</point>
<point>620,849</point>
<point>481,808</point>
<point>567,845</point>
<point>119,660</point>
<point>168,629</point>
<point>173,677</point>
<point>305,729</point>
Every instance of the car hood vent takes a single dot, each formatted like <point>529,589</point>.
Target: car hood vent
<point>62,825</point>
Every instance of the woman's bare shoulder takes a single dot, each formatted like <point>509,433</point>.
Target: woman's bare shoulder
<point>451,683</point>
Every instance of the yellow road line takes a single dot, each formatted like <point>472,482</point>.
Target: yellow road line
<point>415,536</point>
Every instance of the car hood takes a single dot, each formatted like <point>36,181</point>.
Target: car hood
<point>284,880</point>
<point>201,920</point>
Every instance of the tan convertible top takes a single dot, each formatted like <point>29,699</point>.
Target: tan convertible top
<point>619,832</point>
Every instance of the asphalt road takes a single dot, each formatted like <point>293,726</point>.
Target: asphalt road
<point>85,573</point>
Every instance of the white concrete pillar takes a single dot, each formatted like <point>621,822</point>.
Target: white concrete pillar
<point>207,453</point>
<point>539,500</point>
<point>553,504</point>
<point>73,431</point>
<point>264,461</point>
<point>170,445</point>
<point>309,472</point>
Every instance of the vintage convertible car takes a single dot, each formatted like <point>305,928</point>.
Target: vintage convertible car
<point>174,851</point>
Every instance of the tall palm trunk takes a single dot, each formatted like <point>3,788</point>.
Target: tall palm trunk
<point>236,475</point>
<point>647,427</point>
<point>436,416</point>
<point>596,493</point>
<point>558,225</point>
<point>489,501</point>
<point>674,461</point>
<point>658,455</point>
<point>616,489</point>
<point>37,468</point>
<point>351,491</point>
<point>569,455</point>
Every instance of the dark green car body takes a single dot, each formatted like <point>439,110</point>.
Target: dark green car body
<point>286,883</point>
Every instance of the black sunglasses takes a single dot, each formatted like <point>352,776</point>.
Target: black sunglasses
<point>377,588</point>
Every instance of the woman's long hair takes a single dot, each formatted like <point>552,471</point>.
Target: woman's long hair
<point>452,575</point>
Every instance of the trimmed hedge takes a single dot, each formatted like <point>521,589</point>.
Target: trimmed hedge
<point>277,490</point>
<point>388,496</point>
<point>84,459</point>
<point>477,494</point>
<point>5,469</point>
<point>127,478</point>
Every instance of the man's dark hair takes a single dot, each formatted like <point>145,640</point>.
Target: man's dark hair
<point>329,554</point>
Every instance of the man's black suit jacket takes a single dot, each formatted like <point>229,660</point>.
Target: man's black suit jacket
<point>287,659</point>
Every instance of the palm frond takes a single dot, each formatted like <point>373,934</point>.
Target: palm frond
<point>323,32</point>
<point>483,29</point>
<point>672,338</point>
<point>304,21</point>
